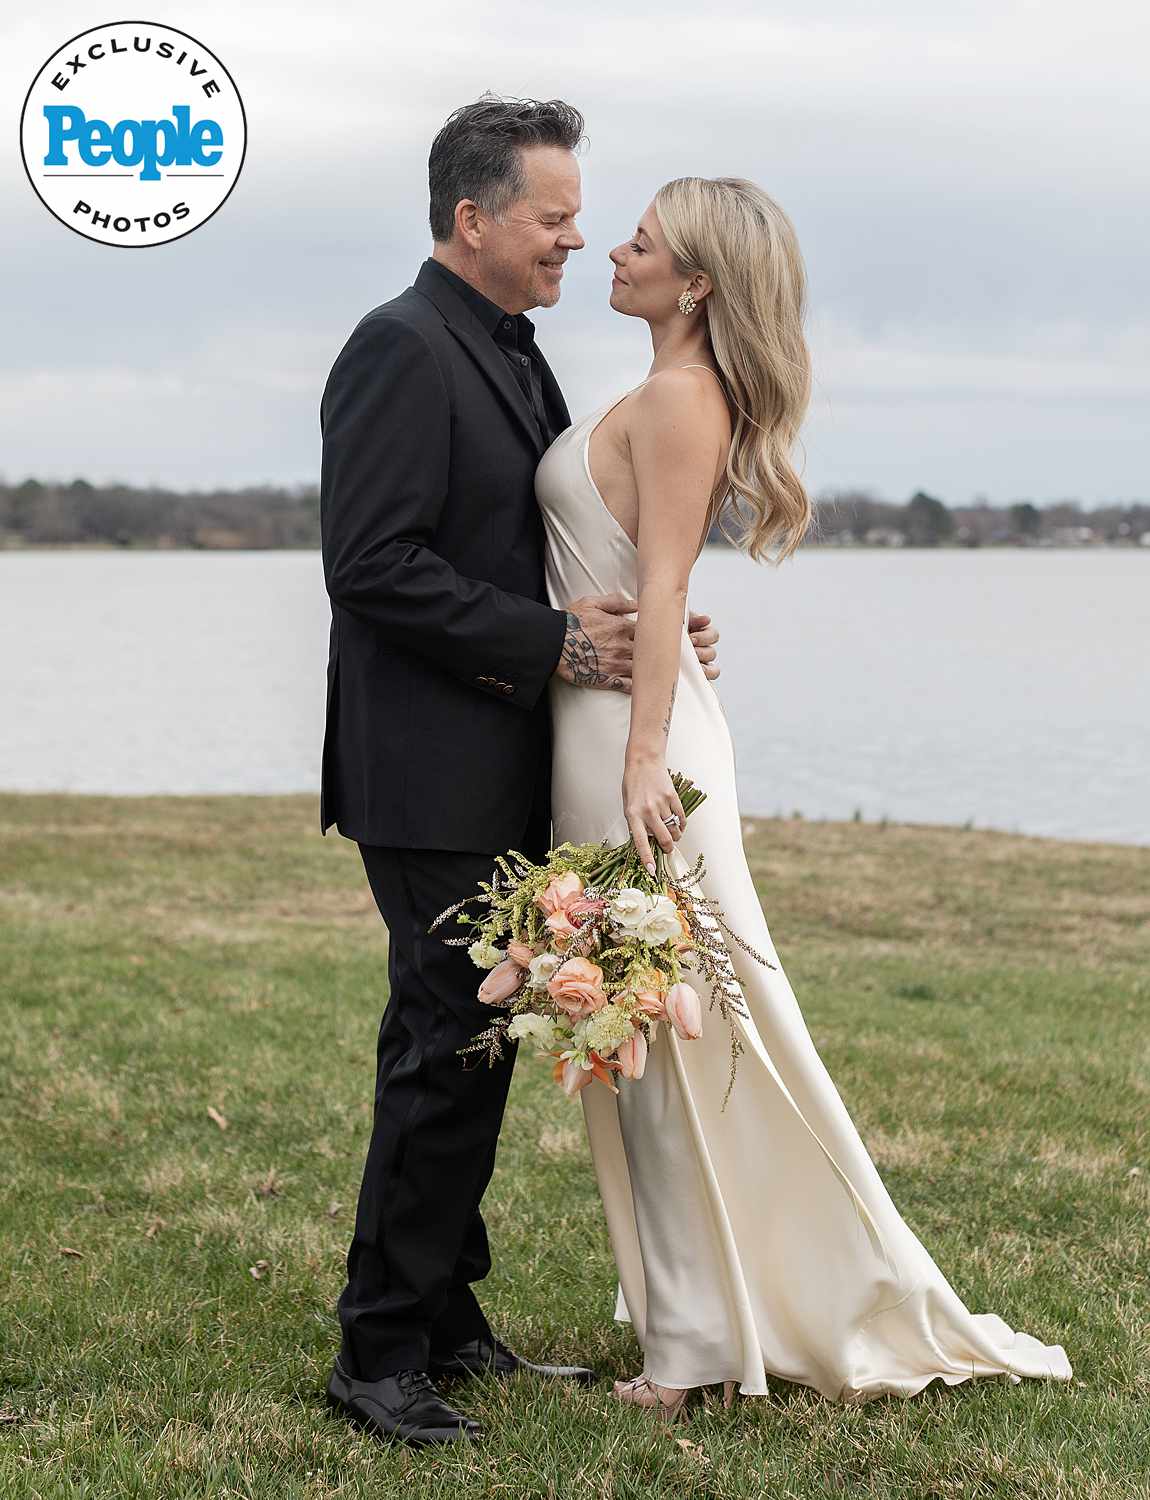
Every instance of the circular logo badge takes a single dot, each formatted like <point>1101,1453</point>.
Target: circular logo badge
<point>133,134</point>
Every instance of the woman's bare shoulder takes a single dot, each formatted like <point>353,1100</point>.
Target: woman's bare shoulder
<point>690,395</point>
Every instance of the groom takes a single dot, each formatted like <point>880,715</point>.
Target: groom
<point>437,748</point>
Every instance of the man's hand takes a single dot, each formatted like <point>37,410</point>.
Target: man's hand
<point>703,637</point>
<point>600,642</point>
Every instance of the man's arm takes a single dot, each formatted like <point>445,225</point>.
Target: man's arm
<point>703,637</point>
<point>385,420</point>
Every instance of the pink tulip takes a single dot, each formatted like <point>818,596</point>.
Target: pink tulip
<point>503,981</point>
<point>572,1077</point>
<point>631,1055</point>
<point>522,953</point>
<point>685,1012</point>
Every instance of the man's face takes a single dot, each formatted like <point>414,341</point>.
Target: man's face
<point>522,257</point>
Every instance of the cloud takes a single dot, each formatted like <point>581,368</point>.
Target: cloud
<point>968,185</point>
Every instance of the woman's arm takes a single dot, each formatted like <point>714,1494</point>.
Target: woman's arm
<point>674,464</point>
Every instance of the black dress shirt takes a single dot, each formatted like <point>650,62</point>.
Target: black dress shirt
<point>514,336</point>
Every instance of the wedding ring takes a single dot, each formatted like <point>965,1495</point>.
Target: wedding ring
<point>672,821</point>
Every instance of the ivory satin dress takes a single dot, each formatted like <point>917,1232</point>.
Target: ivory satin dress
<point>760,1240</point>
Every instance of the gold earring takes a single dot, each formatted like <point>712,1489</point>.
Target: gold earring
<point>686,302</point>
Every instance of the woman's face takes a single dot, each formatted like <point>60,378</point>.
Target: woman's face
<point>645,282</point>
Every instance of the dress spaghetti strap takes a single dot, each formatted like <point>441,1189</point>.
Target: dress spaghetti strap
<point>642,383</point>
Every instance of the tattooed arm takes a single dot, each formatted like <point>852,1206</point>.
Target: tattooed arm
<point>598,646</point>
<point>670,709</point>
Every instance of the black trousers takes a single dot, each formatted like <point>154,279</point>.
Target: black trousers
<point>420,1240</point>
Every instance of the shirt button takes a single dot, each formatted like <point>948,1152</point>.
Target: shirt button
<point>507,322</point>
<point>523,359</point>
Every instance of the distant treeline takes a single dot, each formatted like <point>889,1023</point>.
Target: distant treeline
<point>80,514</point>
<point>121,515</point>
<point>855,518</point>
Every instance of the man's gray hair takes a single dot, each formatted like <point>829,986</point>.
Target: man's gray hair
<point>476,154</point>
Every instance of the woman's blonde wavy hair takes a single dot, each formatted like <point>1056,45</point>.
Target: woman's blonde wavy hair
<point>731,229</point>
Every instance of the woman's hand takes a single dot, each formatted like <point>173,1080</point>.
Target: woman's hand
<point>649,796</point>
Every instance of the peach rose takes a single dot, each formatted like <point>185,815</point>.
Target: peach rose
<point>586,906</point>
<point>685,1012</point>
<point>503,981</point>
<point>577,987</point>
<point>559,925</point>
<point>651,996</point>
<point>649,1002</point>
<point>560,893</point>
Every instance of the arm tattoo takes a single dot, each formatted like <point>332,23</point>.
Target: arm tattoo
<point>670,707</point>
<point>581,657</point>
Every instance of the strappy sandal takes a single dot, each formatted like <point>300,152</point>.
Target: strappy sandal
<point>668,1401</point>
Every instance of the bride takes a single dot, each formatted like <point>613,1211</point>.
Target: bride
<point>756,1240</point>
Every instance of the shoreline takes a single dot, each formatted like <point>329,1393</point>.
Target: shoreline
<point>752,822</point>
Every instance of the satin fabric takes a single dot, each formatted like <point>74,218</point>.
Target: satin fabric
<point>759,1240</point>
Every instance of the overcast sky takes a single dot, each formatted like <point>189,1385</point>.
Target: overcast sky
<point>970,183</point>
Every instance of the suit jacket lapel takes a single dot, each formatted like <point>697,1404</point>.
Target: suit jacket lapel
<point>482,348</point>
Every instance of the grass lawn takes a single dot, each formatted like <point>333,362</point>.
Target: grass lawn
<point>191,991</point>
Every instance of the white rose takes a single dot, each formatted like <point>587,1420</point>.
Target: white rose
<point>661,923</point>
<point>539,1029</point>
<point>485,955</point>
<point>542,966</point>
<point>629,908</point>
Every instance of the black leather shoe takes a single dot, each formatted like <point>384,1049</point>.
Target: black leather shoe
<point>405,1405</point>
<point>493,1357</point>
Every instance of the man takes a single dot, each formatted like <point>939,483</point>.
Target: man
<point>437,749</point>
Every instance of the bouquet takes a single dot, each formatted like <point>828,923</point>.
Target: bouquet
<point>584,956</point>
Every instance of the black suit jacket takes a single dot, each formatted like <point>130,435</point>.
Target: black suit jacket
<point>438,730</point>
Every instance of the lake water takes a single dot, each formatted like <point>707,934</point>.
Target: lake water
<point>1008,688</point>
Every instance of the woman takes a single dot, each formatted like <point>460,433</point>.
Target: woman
<point>756,1240</point>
